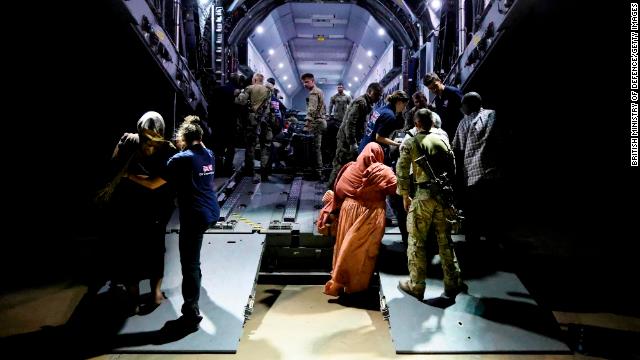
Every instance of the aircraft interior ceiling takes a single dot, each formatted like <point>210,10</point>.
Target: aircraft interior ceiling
<point>337,43</point>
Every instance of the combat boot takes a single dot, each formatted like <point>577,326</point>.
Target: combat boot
<point>453,292</point>
<point>417,291</point>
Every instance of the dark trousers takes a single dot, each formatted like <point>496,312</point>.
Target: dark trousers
<point>483,211</point>
<point>225,154</point>
<point>397,206</point>
<point>265,138</point>
<point>191,234</point>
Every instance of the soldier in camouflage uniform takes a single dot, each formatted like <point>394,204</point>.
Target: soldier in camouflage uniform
<point>352,129</point>
<point>420,101</point>
<point>258,124</point>
<point>427,208</point>
<point>316,113</point>
<point>339,102</point>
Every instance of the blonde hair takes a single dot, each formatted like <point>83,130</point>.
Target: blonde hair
<point>194,119</point>
<point>258,77</point>
<point>189,132</point>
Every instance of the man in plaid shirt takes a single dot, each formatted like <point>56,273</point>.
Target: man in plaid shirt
<point>477,144</point>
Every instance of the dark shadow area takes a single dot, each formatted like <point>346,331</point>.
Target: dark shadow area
<point>90,331</point>
<point>480,260</point>
<point>168,333</point>
<point>564,230</point>
<point>584,282</point>
<point>392,258</point>
<point>93,330</point>
<point>84,86</point>
<point>291,278</point>
<point>366,300</point>
<point>271,299</point>
<point>440,302</point>
<point>515,313</point>
<point>602,342</point>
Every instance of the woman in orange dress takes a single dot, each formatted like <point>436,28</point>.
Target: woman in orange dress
<point>360,194</point>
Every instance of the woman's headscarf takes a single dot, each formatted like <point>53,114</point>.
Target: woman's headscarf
<point>366,179</point>
<point>368,173</point>
<point>372,153</point>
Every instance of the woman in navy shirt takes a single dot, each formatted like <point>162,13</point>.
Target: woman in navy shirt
<point>192,172</point>
<point>384,120</point>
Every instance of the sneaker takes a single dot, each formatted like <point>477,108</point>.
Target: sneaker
<point>415,291</point>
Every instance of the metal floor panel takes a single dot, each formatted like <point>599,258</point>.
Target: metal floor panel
<point>497,316</point>
<point>246,185</point>
<point>268,202</point>
<point>293,199</point>
<point>310,205</point>
<point>229,269</point>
